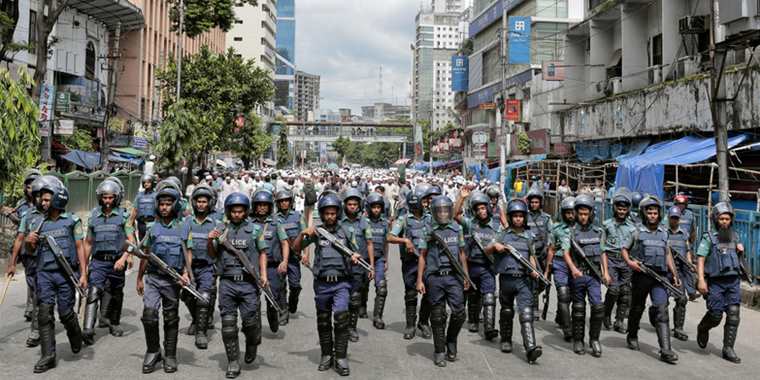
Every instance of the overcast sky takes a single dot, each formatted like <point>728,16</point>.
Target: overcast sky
<point>346,41</point>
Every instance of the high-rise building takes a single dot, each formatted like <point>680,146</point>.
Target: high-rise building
<point>285,68</point>
<point>380,112</point>
<point>450,6</point>
<point>306,95</point>
<point>438,36</point>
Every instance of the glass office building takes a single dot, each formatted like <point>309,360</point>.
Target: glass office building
<point>286,54</point>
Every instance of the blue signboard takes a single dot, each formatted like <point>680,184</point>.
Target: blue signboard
<point>519,40</point>
<point>459,73</point>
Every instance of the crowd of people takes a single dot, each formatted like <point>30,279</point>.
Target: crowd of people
<point>225,240</point>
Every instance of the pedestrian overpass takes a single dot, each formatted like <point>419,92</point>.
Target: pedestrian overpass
<point>329,131</point>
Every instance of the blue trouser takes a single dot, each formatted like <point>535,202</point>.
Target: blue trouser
<point>294,272</point>
<point>359,279</point>
<point>620,272</point>
<point>237,295</point>
<point>446,288</point>
<point>276,283</point>
<point>586,286</point>
<point>30,272</point>
<point>160,290</point>
<point>379,271</point>
<point>644,285</point>
<point>204,276</point>
<point>560,272</point>
<point>54,287</point>
<point>723,292</point>
<point>515,287</point>
<point>102,274</point>
<point>331,296</point>
<point>483,277</point>
<point>687,278</point>
<point>409,272</point>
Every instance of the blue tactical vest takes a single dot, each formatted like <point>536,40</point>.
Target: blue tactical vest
<point>167,245</point>
<point>651,248</point>
<point>109,235</point>
<point>414,231</point>
<point>686,220</point>
<point>291,223</point>
<point>486,233</point>
<point>242,237</point>
<point>355,232</point>
<point>199,233</point>
<point>146,205</point>
<point>436,258</point>
<point>379,229</point>
<point>590,239</point>
<point>269,234</point>
<point>678,242</point>
<point>328,261</point>
<point>538,224</point>
<point>723,259</point>
<point>62,230</point>
<point>505,263</point>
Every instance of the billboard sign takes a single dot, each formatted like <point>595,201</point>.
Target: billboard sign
<point>513,110</point>
<point>459,73</point>
<point>519,40</point>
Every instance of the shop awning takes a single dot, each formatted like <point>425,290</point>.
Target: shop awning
<point>646,172</point>
<point>111,12</point>
<point>91,160</point>
<point>130,151</point>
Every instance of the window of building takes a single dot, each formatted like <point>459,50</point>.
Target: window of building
<point>238,21</point>
<point>32,38</point>
<point>89,61</point>
<point>657,50</point>
<point>238,39</point>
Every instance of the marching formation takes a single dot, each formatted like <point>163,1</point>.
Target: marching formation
<point>462,250</point>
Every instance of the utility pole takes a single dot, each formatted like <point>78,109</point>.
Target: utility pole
<point>112,59</point>
<point>180,40</point>
<point>717,99</point>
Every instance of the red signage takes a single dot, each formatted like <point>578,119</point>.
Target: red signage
<point>513,110</point>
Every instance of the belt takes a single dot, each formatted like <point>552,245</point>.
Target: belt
<point>442,273</point>
<point>515,274</point>
<point>238,277</point>
<point>332,279</point>
<point>106,256</point>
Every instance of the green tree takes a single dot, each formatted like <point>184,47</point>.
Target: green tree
<point>251,141</point>
<point>19,131</point>
<point>80,140</point>
<point>283,153</point>
<point>179,137</point>
<point>342,146</point>
<point>203,15</point>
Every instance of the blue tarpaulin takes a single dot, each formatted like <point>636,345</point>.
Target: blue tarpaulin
<point>602,150</point>
<point>646,172</point>
<point>91,160</point>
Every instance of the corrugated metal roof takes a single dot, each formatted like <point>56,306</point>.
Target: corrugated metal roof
<point>112,12</point>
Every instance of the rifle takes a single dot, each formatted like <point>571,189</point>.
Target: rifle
<point>677,293</point>
<point>744,271</point>
<point>134,250</point>
<point>463,275</point>
<point>683,261</point>
<point>251,269</point>
<point>64,263</point>
<point>545,310</point>
<point>482,249</point>
<point>345,251</point>
<point>520,259</point>
<point>582,254</point>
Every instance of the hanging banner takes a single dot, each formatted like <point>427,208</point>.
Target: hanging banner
<point>513,110</point>
<point>519,40</point>
<point>459,73</point>
<point>47,97</point>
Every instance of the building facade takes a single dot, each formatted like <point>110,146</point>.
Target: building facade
<point>380,112</point>
<point>285,62</point>
<point>306,95</point>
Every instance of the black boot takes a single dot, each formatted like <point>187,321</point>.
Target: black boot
<point>201,339</point>
<point>381,293</point>
<point>730,329</point>
<point>438,323</point>
<point>33,340</point>
<point>211,308</point>
<point>47,338</point>
<point>171,332</point>
<point>609,303</point>
<point>293,300</point>
<point>708,322</point>
<point>153,352</point>
<point>489,316</point>
<point>623,309</point>
<point>663,334</point>
<point>73,331</point>
<point>679,318</point>
<point>105,308</point>
<point>473,310</point>
<point>579,327</point>
<point>192,307</point>
<point>115,306</point>
<point>536,291</point>
<point>90,314</point>
<point>632,330</point>
<point>506,315</point>
<point>273,318</point>
<point>324,330</point>
<point>532,350</point>
<point>364,298</point>
<point>30,303</point>
<point>252,332</point>
<point>353,309</point>
<point>653,316</point>
<point>563,312</point>
<point>341,343</point>
<point>455,325</point>
<point>410,308</point>
<point>595,329</point>
<point>231,345</point>
<point>424,322</point>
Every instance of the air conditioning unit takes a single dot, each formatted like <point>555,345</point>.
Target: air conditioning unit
<point>655,74</point>
<point>693,24</point>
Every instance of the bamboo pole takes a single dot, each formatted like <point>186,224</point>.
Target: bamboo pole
<point>677,187</point>
<point>709,193</point>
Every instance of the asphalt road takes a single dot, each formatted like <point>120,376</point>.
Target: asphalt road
<point>293,353</point>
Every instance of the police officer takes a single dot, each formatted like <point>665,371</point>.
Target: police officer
<point>277,251</point>
<point>540,224</point>
<point>332,284</point>
<point>200,224</point>
<point>484,227</point>
<point>686,221</point>
<point>169,239</point>
<point>144,211</point>
<point>515,283</point>
<point>618,230</point>
<point>378,224</point>
<point>53,285</point>
<point>293,223</point>
<point>238,290</point>
<point>409,231</point>
<point>718,270</point>
<point>107,231</point>
<point>678,241</point>
<point>558,245</point>
<point>648,245</point>
<point>583,283</point>
<point>360,234</point>
<point>436,275</point>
